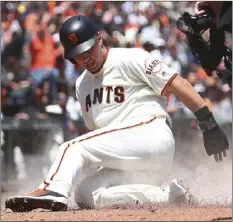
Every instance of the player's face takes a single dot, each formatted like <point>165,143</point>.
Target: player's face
<point>93,59</point>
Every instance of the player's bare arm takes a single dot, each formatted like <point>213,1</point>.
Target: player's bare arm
<point>186,93</point>
<point>215,140</point>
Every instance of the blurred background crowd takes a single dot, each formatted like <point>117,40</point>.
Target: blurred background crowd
<point>36,80</point>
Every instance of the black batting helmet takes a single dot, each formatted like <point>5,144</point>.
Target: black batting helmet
<point>77,35</point>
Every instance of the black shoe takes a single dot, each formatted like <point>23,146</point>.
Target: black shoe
<point>45,199</point>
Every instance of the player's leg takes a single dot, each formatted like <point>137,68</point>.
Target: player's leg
<point>139,177</point>
<point>109,187</point>
<point>126,148</point>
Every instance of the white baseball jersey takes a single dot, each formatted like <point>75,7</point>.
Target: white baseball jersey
<point>128,89</point>
<point>121,104</point>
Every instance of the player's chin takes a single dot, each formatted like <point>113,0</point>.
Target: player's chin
<point>94,69</point>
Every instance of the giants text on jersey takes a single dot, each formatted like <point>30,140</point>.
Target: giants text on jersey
<point>128,89</point>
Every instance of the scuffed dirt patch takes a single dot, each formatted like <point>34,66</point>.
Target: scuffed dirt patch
<point>147,213</point>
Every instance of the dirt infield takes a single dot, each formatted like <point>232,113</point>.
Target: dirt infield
<point>209,182</point>
<point>128,214</point>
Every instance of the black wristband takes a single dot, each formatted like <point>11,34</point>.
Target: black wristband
<point>205,119</point>
<point>203,114</point>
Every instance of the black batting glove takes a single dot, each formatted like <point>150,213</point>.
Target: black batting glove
<point>215,140</point>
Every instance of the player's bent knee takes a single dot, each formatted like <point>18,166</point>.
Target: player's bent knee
<point>84,198</point>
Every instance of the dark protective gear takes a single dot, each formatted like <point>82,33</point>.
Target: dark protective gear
<point>77,35</point>
<point>208,52</point>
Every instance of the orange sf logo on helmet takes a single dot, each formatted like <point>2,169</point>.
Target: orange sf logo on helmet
<point>73,39</point>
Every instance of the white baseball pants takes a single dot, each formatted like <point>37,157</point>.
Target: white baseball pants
<point>120,165</point>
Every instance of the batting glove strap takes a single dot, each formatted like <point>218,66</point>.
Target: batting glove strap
<point>205,119</point>
<point>208,124</point>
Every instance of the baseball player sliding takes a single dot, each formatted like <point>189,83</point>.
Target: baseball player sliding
<point>123,99</point>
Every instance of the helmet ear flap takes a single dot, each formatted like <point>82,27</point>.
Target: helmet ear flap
<point>73,61</point>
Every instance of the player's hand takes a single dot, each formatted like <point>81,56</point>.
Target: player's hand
<point>215,142</point>
<point>198,8</point>
<point>201,8</point>
<point>219,156</point>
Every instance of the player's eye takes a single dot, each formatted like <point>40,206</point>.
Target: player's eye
<point>85,54</point>
<point>82,56</point>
